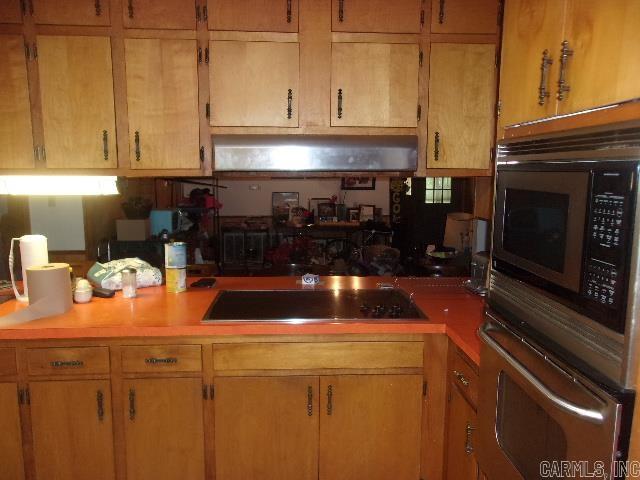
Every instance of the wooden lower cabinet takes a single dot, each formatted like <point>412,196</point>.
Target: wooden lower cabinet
<point>11,459</point>
<point>72,430</point>
<point>164,431</point>
<point>267,428</point>
<point>461,462</point>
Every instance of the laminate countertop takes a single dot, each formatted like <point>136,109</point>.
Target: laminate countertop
<point>449,308</point>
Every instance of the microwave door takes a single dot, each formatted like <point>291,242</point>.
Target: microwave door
<point>540,222</point>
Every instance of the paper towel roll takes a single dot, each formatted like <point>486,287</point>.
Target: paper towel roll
<point>49,294</point>
<point>33,251</point>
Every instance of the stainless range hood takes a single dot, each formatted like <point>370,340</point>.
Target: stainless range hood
<point>315,153</point>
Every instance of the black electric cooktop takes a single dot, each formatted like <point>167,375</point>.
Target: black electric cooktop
<point>291,305</point>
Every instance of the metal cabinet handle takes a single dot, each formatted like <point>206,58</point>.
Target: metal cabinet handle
<point>198,16</point>
<point>31,7</point>
<point>563,86</point>
<point>441,12</point>
<point>289,103</point>
<point>136,140</point>
<point>463,380</point>
<point>329,399</point>
<point>100,402</point>
<point>205,13</point>
<point>341,10</point>
<point>288,11</point>
<point>309,401</point>
<point>468,447</point>
<point>339,103</point>
<point>543,93</point>
<point>105,145</point>
<point>130,8</point>
<point>161,361</point>
<point>132,404</point>
<point>98,8</point>
<point>66,363</point>
<point>436,146</point>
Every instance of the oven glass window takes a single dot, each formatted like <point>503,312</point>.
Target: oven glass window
<point>535,226</point>
<point>526,433</point>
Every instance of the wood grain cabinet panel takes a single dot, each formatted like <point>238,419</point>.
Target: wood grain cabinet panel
<point>267,428</point>
<point>464,16</point>
<point>164,432</point>
<point>68,361</point>
<point>374,84</point>
<point>162,98</point>
<point>461,463</point>
<point>605,65</point>
<point>71,422</point>
<point>70,12</point>
<point>11,459</point>
<point>253,15</point>
<point>461,105</point>
<point>16,136</point>
<point>162,14</point>
<point>78,115</point>
<point>10,11</point>
<point>376,16</point>
<point>162,358</point>
<point>254,83</point>
<point>370,427</point>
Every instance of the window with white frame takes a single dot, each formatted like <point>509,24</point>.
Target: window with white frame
<point>438,190</point>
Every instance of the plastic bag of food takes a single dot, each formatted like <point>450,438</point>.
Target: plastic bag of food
<point>107,275</point>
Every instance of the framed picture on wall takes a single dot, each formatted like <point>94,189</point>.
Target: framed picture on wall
<point>353,215</point>
<point>358,183</point>
<point>367,212</point>
<point>314,202</point>
<point>326,210</point>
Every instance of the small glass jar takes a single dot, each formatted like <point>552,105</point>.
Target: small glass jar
<point>129,283</point>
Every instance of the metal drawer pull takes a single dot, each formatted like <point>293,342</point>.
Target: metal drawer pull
<point>341,10</point>
<point>561,403</point>
<point>339,103</point>
<point>468,447</point>
<point>436,146</point>
<point>100,402</point>
<point>543,93</point>
<point>288,11</point>
<point>441,12</point>
<point>289,103</point>
<point>130,8</point>
<point>563,86</point>
<point>105,145</point>
<point>329,399</point>
<point>132,404</point>
<point>136,140</point>
<point>98,8</point>
<point>463,380</point>
<point>156,360</point>
<point>309,400</point>
<point>66,363</point>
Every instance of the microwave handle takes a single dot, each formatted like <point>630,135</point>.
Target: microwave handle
<point>561,403</point>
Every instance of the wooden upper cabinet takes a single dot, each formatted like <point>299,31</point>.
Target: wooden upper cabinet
<point>253,15</point>
<point>254,83</point>
<point>70,12</point>
<point>164,429</point>
<point>604,67</point>
<point>11,459</point>
<point>16,138</point>
<point>370,427</point>
<point>10,11</point>
<point>377,16</point>
<point>72,430</point>
<point>464,16</point>
<point>461,431</point>
<point>162,98</point>
<point>267,428</point>
<point>533,32</point>
<point>461,105</point>
<point>163,14</point>
<point>78,116</point>
<point>374,84</point>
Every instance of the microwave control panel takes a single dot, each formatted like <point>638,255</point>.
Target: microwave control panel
<point>607,237</point>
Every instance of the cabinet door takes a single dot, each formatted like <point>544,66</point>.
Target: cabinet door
<point>461,462</point>
<point>162,97</point>
<point>531,28</point>
<point>254,83</point>
<point>464,16</point>
<point>164,430</point>
<point>374,84</point>
<point>70,12</point>
<point>72,430</point>
<point>461,105</point>
<point>76,86</point>
<point>370,427</point>
<point>266,428</point>
<point>10,11</point>
<point>164,14</point>
<point>16,138</point>
<point>400,16</point>
<point>253,15</point>
<point>605,65</point>
<point>11,460</point>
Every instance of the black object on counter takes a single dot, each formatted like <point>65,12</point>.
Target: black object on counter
<point>103,292</point>
<point>204,283</point>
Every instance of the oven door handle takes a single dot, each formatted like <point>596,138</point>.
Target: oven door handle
<point>561,403</point>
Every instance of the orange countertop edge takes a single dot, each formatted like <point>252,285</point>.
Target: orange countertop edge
<point>450,309</point>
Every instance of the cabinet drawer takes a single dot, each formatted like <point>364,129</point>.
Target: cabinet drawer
<point>309,356</point>
<point>465,377</point>
<point>7,361</point>
<point>162,358</point>
<point>68,361</point>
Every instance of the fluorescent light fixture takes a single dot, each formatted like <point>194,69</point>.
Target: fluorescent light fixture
<point>58,185</point>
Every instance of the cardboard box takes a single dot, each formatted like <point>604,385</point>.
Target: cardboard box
<point>136,230</point>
